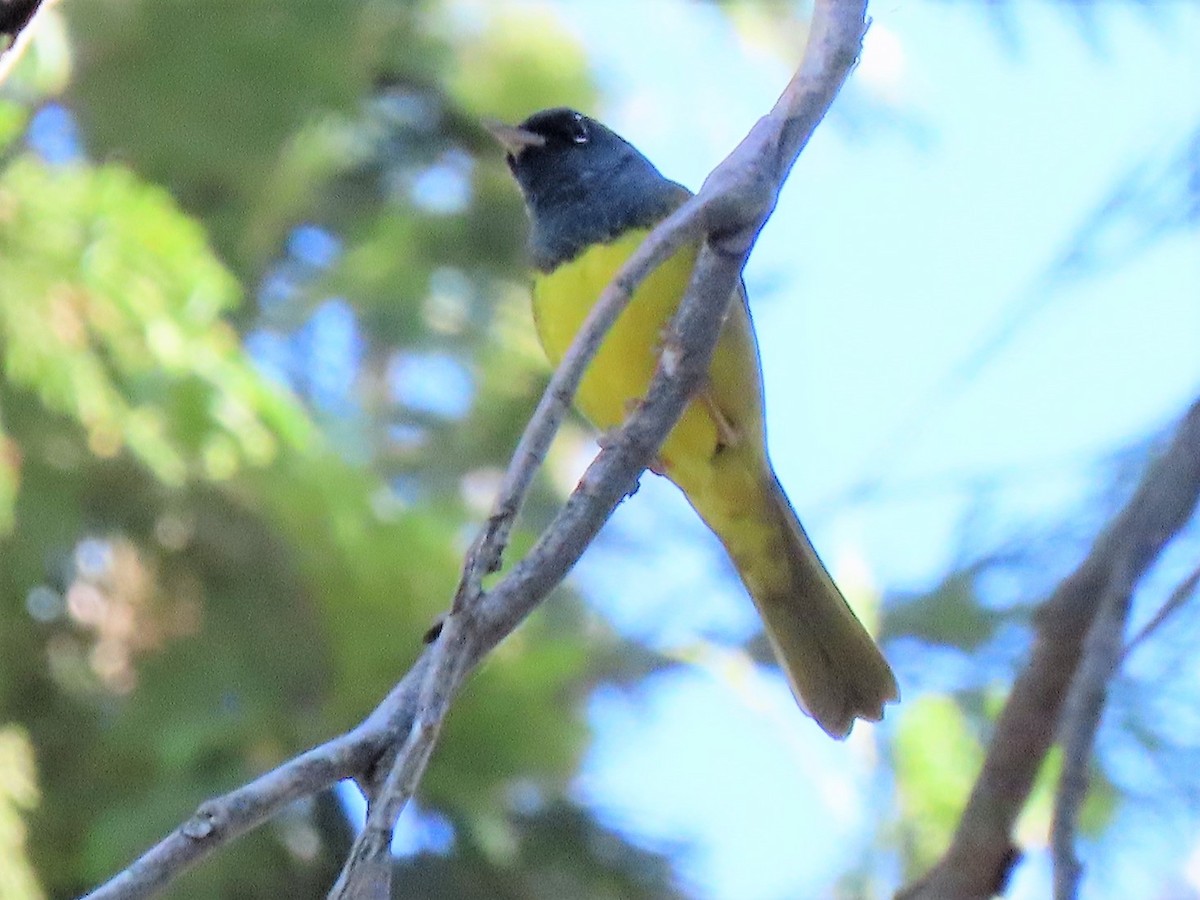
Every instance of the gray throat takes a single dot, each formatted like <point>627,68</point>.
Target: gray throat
<point>597,210</point>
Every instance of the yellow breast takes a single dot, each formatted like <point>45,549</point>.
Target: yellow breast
<point>621,370</point>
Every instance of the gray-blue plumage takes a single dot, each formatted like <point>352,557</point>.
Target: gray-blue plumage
<point>585,185</point>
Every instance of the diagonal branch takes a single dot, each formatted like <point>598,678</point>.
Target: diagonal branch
<point>1081,719</point>
<point>732,206</point>
<point>1104,652</point>
<point>15,18</point>
<point>388,752</point>
<point>981,853</point>
<point>724,204</point>
<point>1182,593</point>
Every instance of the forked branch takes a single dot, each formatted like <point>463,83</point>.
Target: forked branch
<point>388,752</point>
<point>981,854</point>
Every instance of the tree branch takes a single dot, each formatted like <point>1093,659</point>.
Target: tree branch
<point>793,120</point>
<point>1182,593</point>
<point>1081,719</point>
<point>981,853</point>
<point>1104,652</point>
<point>729,211</point>
<point>733,204</point>
<point>218,821</point>
<point>15,17</point>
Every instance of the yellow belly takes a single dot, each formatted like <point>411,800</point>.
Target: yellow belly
<point>621,370</point>
<point>833,666</point>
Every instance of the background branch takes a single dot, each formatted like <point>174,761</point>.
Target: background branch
<point>730,210</point>
<point>1182,593</point>
<point>1104,652</point>
<point>981,853</point>
<point>1081,719</point>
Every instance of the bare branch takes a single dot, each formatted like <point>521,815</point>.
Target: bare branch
<point>218,821</point>
<point>730,210</point>
<point>486,552</point>
<point>722,205</point>
<point>1103,655</point>
<point>981,854</point>
<point>733,204</point>
<point>15,18</point>
<point>1081,719</point>
<point>1182,593</point>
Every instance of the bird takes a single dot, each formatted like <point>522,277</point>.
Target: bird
<point>592,198</point>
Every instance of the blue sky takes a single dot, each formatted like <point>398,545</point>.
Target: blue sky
<point>900,246</point>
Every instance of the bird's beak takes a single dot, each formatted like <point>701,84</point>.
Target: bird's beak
<point>512,138</point>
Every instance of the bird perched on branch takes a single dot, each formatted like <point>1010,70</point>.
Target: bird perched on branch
<point>592,199</point>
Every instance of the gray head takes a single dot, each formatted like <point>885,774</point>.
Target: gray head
<point>582,183</point>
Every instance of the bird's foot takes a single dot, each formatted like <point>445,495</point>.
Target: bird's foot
<point>727,433</point>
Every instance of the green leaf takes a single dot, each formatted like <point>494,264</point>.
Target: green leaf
<point>936,761</point>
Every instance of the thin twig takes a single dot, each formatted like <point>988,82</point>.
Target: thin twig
<point>795,116</point>
<point>981,854</point>
<point>1182,593</point>
<point>367,872</point>
<point>731,208</point>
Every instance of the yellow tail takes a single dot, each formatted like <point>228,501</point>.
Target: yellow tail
<point>833,666</point>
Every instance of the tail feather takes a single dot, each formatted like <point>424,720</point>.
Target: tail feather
<point>833,666</point>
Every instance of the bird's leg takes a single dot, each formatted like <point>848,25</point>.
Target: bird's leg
<point>727,433</point>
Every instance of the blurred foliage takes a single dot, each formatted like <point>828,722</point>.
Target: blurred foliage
<point>200,543</point>
<point>937,753</point>
<point>112,317</point>
<point>936,759</point>
<point>18,793</point>
<point>534,855</point>
<point>235,240</point>
<point>950,614</point>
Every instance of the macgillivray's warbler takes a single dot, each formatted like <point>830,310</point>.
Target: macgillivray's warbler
<point>592,198</point>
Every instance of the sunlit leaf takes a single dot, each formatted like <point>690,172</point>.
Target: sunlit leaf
<point>936,760</point>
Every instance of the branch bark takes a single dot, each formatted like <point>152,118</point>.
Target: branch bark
<point>729,211</point>
<point>222,819</point>
<point>731,208</point>
<point>981,854</point>
<point>1104,652</point>
<point>1081,720</point>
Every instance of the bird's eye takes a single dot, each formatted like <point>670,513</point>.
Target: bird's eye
<point>579,130</point>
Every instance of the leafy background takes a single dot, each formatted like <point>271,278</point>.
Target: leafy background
<point>264,347</point>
